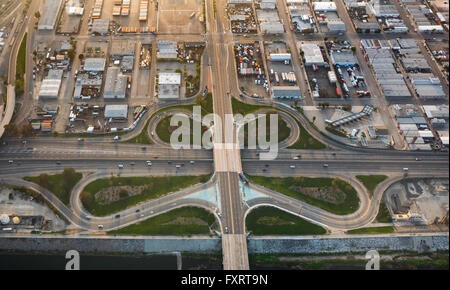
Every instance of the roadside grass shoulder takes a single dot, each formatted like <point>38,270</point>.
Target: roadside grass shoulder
<point>371,181</point>
<point>347,200</point>
<point>154,187</point>
<point>60,184</point>
<point>183,221</point>
<point>272,221</point>
<point>372,230</point>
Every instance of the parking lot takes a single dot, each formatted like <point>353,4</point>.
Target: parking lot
<point>180,16</point>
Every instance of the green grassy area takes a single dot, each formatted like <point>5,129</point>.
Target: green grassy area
<point>334,131</point>
<point>306,141</point>
<point>152,188</point>
<point>60,184</point>
<point>283,130</point>
<point>183,221</point>
<point>21,66</point>
<point>244,109</point>
<point>206,104</point>
<point>142,138</point>
<point>272,221</point>
<point>345,197</point>
<point>371,181</point>
<point>164,130</point>
<point>383,215</point>
<point>373,230</point>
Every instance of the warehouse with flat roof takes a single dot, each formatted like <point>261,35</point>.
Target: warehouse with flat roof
<point>50,14</point>
<point>169,85</point>
<point>51,84</point>
<point>94,64</point>
<point>116,111</point>
<point>115,84</point>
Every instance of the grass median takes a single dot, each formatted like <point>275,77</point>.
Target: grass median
<point>306,141</point>
<point>183,221</point>
<point>60,184</point>
<point>372,230</point>
<point>21,66</point>
<point>371,181</point>
<point>107,196</point>
<point>331,194</point>
<point>267,220</point>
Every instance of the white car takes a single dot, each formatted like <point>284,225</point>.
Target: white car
<point>120,166</point>
<point>292,166</point>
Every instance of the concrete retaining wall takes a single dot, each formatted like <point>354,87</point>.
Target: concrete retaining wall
<point>312,245</point>
<point>119,245</point>
<point>342,245</point>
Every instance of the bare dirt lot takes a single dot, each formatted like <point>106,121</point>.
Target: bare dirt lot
<point>180,16</point>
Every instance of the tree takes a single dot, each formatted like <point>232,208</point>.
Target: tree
<point>44,181</point>
<point>71,54</point>
<point>11,130</point>
<point>27,130</point>
<point>37,15</point>
<point>314,119</point>
<point>81,56</point>
<point>87,199</point>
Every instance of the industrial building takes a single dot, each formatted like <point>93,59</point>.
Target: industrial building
<point>51,84</point>
<point>50,14</point>
<point>116,111</point>
<point>286,92</point>
<point>312,54</point>
<point>169,85</point>
<point>121,48</point>
<point>267,4</point>
<point>269,21</point>
<point>100,26</point>
<point>167,50</point>
<point>427,86</point>
<point>115,84</point>
<point>378,54</point>
<point>94,64</point>
<point>282,57</point>
<point>343,58</point>
<point>379,9</point>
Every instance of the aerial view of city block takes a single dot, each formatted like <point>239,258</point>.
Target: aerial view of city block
<point>224,135</point>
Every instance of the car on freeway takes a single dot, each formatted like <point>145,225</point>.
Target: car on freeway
<point>192,161</point>
<point>117,216</point>
<point>100,227</point>
<point>325,165</point>
<point>418,159</point>
<point>10,161</point>
<point>120,166</point>
<point>292,166</point>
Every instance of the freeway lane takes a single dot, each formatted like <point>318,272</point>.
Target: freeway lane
<point>227,161</point>
<point>356,166</point>
<point>160,167</point>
